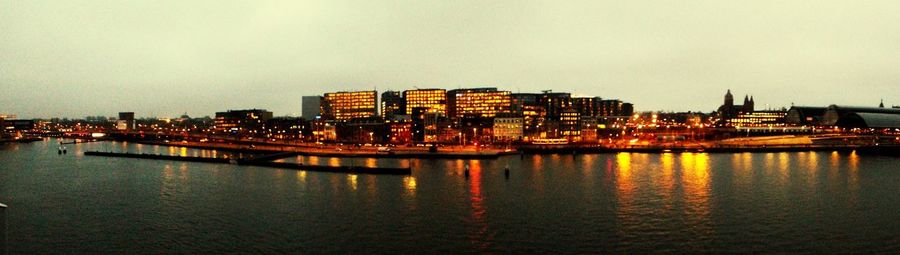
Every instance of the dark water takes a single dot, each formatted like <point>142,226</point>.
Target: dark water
<point>627,202</point>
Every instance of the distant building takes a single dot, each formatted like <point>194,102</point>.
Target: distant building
<point>758,119</point>
<point>344,106</point>
<point>729,110</point>
<point>126,121</point>
<point>508,127</point>
<point>615,107</point>
<point>861,117</point>
<point>13,125</point>
<point>430,99</point>
<point>589,129</point>
<point>392,104</point>
<point>242,121</point>
<point>570,125</point>
<point>805,116</point>
<point>588,106</point>
<point>288,128</point>
<point>401,132</point>
<point>480,102</point>
<point>312,107</point>
<point>554,103</point>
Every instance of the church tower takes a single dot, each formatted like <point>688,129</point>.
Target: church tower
<point>729,99</point>
<point>750,105</point>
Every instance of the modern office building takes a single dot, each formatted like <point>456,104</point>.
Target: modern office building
<point>344,106</point>
<point>242,121</point>
<point>392,104</point>
<point>311,107</point>
<point>479,102</point>
<point>430,99</point>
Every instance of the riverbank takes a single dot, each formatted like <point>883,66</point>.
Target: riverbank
<point>868,144</point>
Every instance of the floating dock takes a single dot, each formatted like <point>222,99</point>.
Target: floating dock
<point>262,161</point>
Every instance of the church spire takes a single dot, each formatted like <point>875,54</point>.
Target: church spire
<point>881,105</point>
<point>729,99</point>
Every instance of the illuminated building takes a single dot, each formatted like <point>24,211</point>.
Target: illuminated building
<point>392,104</point>
<point>508,127</point>
<point>324,130</point>
<point>480,102</point>
<point>242,121</point>
<point>343,106</point>
<point>312,107</point>
<point>570,125</point>
<point>758,119</point>
<point>288,128</point>
<point>430,99</point>
<point>400,132</point>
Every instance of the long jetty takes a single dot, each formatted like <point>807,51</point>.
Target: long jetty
<point>262,161</point>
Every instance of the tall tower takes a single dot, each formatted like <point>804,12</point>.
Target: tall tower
<point>881,105</point>
<point>750,105</point>
<point>729,99</point>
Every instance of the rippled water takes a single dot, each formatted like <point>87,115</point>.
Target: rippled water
<point>626,202</point>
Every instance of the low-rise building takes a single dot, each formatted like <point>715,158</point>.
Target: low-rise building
<point>251,121</point>
<point>508,127</point>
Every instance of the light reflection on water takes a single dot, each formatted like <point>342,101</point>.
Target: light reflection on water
<point>622,203</point>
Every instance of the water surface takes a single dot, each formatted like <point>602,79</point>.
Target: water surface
<point>813,202</point>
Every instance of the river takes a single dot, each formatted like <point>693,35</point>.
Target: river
<point>806,202</point>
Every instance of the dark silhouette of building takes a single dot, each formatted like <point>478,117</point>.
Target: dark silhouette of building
<point>861,117</point>
<point>805,116</point>
<point>126,121</point>
<point>312,107</point>
<point>587,106</point>
<point>392,104</point>
<point>729,110</point>
<point>554,103</point>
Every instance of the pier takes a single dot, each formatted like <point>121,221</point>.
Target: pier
<point>264,161</point>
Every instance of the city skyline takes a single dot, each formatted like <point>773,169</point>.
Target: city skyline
<point>75,60</point>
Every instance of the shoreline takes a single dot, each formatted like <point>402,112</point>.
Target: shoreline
<point>456,153</point>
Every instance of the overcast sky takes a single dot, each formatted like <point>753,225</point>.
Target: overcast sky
<point>164,58</point>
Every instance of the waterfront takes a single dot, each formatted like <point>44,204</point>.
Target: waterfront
<point>815,202</point>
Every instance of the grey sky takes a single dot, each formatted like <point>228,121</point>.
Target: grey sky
<point>163,58</point>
